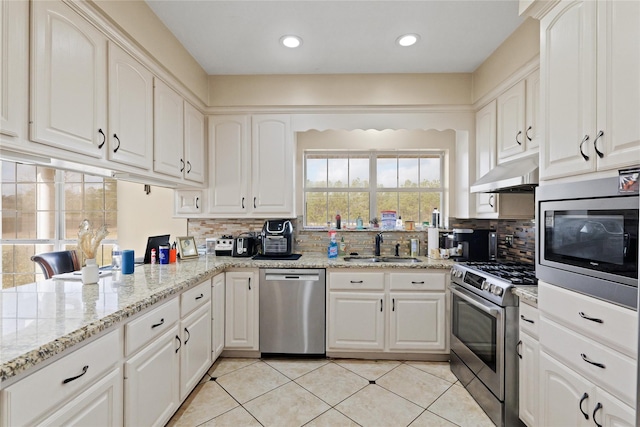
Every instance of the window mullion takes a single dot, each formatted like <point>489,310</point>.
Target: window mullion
<point>373,185</point>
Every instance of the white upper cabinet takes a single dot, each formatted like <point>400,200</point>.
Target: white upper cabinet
<point>168,129</point>
<point>272,164</point>
<point>130,110</point>
<point>590,62</point>
<point>518,118</point>
<point>511,115</point>
<point>229,164</point>
<point>251,164</point>
<point>486,204</point>
<point>14,16</point>
<point>69,80</point>
<point>193,144</point>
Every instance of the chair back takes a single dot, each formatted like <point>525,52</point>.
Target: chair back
<point>57,262</point>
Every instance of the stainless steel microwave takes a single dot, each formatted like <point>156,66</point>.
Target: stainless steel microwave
<point>587,239</point>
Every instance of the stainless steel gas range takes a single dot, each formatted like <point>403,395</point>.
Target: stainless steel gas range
<point>484,334</point>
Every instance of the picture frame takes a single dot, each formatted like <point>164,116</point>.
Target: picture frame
<point>187,247</point>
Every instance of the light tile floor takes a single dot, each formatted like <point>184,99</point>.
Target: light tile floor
<point>335,393</point>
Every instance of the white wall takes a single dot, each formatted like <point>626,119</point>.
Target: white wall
<point>141,215</point>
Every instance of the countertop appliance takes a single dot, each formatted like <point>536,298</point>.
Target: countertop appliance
<point>224,246</point>
<point>588,239</point>
<point>277,237</point>
<point>484,334</point>
<point>292,311</point>
<point>244,246</point>
<point>477,245</point>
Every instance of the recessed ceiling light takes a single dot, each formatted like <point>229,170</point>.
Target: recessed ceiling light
<point>290,41</point>
<point>408,40</point>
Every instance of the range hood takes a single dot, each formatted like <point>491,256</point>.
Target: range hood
<point>516,176</point>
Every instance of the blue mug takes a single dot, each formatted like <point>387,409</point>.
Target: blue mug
<point>128,259</point>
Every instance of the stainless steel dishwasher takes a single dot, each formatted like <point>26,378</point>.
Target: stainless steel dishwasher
<point>292,311</point>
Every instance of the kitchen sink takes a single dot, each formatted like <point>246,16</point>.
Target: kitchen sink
<point>380,259</point>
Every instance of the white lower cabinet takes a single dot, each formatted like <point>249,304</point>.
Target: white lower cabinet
<point>152,382</point>
<point>568,399</point>
<point>387,311</point>
<point>242,310</point>
<point>529,350</point>
<point>195,353</point>
<point>217,315</point>
<point>356,320</point>
<point>84,383</point>
<point>100,405</point>
<point>417,321</point>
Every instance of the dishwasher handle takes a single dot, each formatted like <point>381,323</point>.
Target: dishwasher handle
<point>293,277</point>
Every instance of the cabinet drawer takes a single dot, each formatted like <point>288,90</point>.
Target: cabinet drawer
<point>572,348</point>
<point>357,280</point>
<point>612,325</point>
<point>529,319</point>
<point>30,399</point>
<point>140,331</point>
<point>418,281</point>
<point>195,297</point>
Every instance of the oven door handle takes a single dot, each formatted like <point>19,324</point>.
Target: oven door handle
<point>476,302</point>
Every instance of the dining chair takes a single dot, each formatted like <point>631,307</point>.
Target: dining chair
<point>57,262</point>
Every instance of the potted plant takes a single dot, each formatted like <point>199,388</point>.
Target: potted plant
<point>374,222</point>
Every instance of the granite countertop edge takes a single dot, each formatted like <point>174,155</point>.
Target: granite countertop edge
<point>527,294</point>
<point>30,359</point>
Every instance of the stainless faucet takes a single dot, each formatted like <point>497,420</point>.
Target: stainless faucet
<point>378,241</point>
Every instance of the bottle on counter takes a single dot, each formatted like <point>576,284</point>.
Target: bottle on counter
<point>116,258</point>
<point>342,247</point>
<point>435,218</point>
<point>332,250</point>
<point>153,255</point>
<point>399,223</point>
<point>359,223</point>
<point>338,220</point>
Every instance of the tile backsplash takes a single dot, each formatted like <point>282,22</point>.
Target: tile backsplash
<point>362,242</point>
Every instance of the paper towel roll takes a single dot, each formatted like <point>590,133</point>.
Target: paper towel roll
<point>433,242</point>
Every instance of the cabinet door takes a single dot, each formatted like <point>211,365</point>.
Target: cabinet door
<point>618,84</point>
<point>486,204</point>
<point>193,143</point>
<point>100,405</point>
<point>217,315</point>
<point>130,110</point>
<point>241,314</point>
<point>168,130</point>
<point>188,202</point>
<point>229,161</point>
<point>272,165</point>
<point>417,321</point>
<point>528,379</point>
<point>613,413</point>
<point>14,70</point>
<point>532,108</point>
<point>567,79</point>
<point>152,382</point>
<point>69,80</point>
<point>195,353</point>
<point>511,115</point>
<point>356,321</point>
<point>564,396</point>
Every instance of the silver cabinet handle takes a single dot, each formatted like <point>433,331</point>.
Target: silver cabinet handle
<point>595,146</point>
<point>584,156</point>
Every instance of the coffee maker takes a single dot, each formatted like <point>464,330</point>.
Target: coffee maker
<point>477,245</point>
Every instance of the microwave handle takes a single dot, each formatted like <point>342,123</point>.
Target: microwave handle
<point>476,302</point>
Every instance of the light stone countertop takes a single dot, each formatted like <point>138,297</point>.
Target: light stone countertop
<point>527,294</point>
<point>40,320</point>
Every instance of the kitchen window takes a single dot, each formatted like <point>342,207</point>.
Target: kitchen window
<point>362,184</point>
<point>41,211</point>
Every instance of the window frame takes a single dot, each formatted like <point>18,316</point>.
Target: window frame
<point>373,189</point>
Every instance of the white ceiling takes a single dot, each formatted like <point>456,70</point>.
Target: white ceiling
<point>242,37</point>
